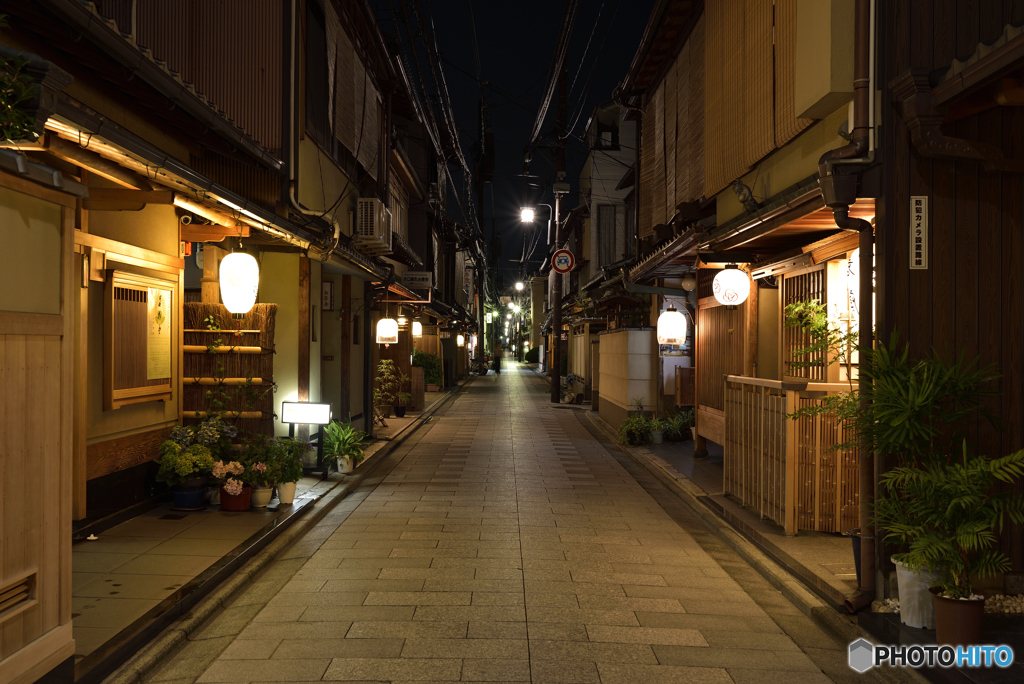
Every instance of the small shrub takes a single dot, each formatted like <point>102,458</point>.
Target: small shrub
<point>431,366</point>
<point>533,356</point>
<point>635,430</point>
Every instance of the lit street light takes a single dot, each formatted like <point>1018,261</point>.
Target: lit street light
<point>519,287</point>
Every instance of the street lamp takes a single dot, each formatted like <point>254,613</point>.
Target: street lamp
<point>526,215</point>
<point>559,189</point>
<point>519,287</point>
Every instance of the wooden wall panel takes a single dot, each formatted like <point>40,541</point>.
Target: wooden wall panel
<point>969,300</point>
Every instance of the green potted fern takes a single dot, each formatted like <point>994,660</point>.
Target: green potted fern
<point>949,515</point>
<point>343,445</point>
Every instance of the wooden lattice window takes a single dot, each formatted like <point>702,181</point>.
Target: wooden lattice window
<point>803,286</point>
<point>138,341</point>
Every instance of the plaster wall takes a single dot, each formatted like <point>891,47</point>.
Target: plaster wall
<point>628,371</point>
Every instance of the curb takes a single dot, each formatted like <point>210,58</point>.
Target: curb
<point>151,656</point>
<point>793,589</point>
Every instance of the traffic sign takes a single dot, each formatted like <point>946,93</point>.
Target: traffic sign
<point>563,261</point>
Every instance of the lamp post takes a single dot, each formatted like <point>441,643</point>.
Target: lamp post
<point>556,299</point>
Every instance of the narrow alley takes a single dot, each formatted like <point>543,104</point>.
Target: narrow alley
<point>504,542</point>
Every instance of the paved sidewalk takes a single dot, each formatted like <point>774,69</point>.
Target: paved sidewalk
<point>506,544</point>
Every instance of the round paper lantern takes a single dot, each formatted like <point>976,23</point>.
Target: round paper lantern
<point>689,282</point>
<point>417,329</point>
<point>460,340</point>
<point>387,331</point>
<point>671,327</point>
<point>239,282</point>
<point>731,286</point>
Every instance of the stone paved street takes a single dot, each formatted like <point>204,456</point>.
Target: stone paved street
<point>505,543</point>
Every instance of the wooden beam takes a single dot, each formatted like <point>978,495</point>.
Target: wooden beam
<point>191,232</point>
<point>117,454</point>
<point>125,253</point>
<point>118,199</point>
<point>211,274</point>
<point>87,159</point>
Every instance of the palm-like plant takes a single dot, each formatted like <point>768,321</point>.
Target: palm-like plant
<point>342,441</point>
<point>949,516</point>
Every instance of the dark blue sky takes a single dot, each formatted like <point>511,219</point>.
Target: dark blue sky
<point>516,43</point>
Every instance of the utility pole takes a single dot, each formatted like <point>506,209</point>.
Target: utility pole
<point>560,188</point>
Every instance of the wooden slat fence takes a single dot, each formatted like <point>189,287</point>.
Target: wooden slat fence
<point>784,468</point>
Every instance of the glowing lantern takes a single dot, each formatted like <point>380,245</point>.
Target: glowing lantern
<point>239,282</point>
<point>417,329</point>
<point>671,327</point>
<point>460,340</point>
<point>689,282</point>
<point>731,286</point>
<point>387,331</point>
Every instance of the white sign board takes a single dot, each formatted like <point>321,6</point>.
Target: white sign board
<point>418,280</point>
<point>919,232</point>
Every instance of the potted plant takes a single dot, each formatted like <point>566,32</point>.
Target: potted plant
<point>235,491</point>
<point>949,515</point>
<point>187,472</point>
<point>656,426</point>
<point>431,366</point>
<point>401,397</point>
<point>677,426</point>
<point>387,385</point>
<point>290,454</point>
<point>261,458</point>
<point>343,445</point>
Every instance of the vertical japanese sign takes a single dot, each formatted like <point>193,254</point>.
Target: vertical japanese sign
<point>919,232</point>
<point>158,343</point>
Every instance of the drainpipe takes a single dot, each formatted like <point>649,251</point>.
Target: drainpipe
<point>839,191</point>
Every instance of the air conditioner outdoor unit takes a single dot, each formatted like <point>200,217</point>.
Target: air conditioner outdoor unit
<point>373,227</point>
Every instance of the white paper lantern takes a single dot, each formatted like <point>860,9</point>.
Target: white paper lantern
<point>239,282</point>
<point>671,327</point>
<point>731,286</point>
<point>387,331</point>
<point>417,329</point>
<point>689,282</point>
<point>460,340</point>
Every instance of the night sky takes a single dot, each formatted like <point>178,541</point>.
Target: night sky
<point>516,45</point>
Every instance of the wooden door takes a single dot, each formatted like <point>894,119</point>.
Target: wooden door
<point>36,418</point>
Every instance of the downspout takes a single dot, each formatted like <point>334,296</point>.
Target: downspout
<point>839,191</point>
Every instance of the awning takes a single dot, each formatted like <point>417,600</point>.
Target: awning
<point>671,261</point>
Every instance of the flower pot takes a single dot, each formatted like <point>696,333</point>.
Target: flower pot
<point>693,431</point>
<point>432,388</point>
<point>957,621</point>
<point>917,609</point>
<point>286,492</point>
<point>189,496</point>
<point>657,436</point>
<point>235,502</point>
<point>399,412</point>
<point>261,496</point>
<point>347,464</point>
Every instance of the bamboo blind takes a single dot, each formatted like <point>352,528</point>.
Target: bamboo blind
<point>671,113</point>
<point>344,113</point>
<point>646,227</point>
<point>758,126</point>
<point>787,125</point>
<point>689,85</point>
<point>658,179</point>
<point>803,287</point>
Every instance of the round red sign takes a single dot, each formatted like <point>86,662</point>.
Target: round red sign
<point>563,261</point>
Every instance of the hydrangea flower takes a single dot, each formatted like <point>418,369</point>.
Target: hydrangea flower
<point>232,486</point>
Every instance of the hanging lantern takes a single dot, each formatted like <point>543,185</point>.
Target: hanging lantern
<point>402,320</point>
<point>460,340</point>
<point>671,327</point>
<point>387,331</point>
<point>731,286</point>
<point>689,282</point>
<point>239,282</point>
<point>417,329</point>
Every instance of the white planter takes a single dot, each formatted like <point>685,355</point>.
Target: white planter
<point>347,465</point>
<point>917,607</point>
<point>694,431</point>
<point>213,493</point>
<point>657,436</point>
<point>286,492</point>
<point>261,496</point>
